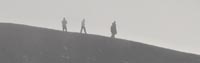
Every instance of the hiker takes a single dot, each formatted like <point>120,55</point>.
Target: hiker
<point>64,23</point>
<point>113,29</point>
<point>83,26</point>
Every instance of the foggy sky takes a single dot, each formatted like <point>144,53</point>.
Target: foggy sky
<point>171,24</point>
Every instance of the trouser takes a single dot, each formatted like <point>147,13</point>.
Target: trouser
<point>113,35</point>
<point>64,28</point>
<point>83,28</point>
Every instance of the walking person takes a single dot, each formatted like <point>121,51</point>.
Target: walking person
<point>113,29</point>
<point>83,26</point>
<point>64,24</point>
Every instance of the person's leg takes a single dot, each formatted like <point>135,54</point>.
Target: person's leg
<point>81,29</point>
<point>113,35</point>
<point>85,30</point>
<point>63,28</point>
<point>66,28</point>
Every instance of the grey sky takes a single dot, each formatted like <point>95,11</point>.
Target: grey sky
<point>168,23</point>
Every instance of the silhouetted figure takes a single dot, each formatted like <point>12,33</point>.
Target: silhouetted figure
<point>113,29</point>
<point>83,26</point>
<point>64,24</point>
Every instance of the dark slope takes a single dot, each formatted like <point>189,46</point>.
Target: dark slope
<point>26,44</point>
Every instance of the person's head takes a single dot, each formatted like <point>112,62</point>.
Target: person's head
<point>114,22</point>
<point>64,19</point>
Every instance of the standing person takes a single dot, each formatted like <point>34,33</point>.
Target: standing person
<point>113,29</point>
<point>64,24</point>
<point>83,26</point>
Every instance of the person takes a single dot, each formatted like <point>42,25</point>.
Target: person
<point>83,26</point>
<point>64,24</point>
<point>113,29</point>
